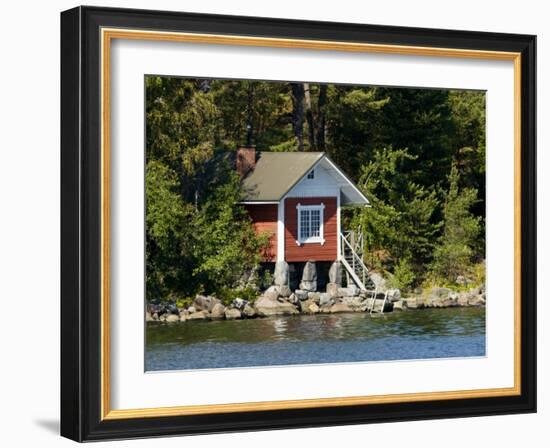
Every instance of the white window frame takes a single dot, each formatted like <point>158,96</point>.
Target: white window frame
<point>311,239</point>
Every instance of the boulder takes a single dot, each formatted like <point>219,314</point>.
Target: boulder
<point>192,309</point>
<point>356,303</point>
<point>463,299</point>
<point>271,295</point>
<point>281,291</point>
<point>281,274</point>
<point>198,315</point>
<point>218,311</point>
<point>309,307</point>
<point>232,313</point>
<point>205,303</point>
<point>314,308</point>
<point>476,300</point>
<point>315,296</point>
<point>239,303</point>
<point>440,293</point>
<point>268,306</point>
<point>308,285</point>
<point>379,282</point>
<point>171,308</point>
<point>332,289</point>
<point>293,299</point>
<point>301,294</point>
<point>284,291</point>
<point>400,305</point>
<point>148,317</point>
<point>414,303</point>
<point>325,299</point>
<point>326,308</point>
<point>350,291</point>
<point>172,318</point>
<point>340,308</point>
<point>394,295</point>
<point>248,311</point>
<point>335,273</point>
<point>153,308</point>
<point>310,272</point>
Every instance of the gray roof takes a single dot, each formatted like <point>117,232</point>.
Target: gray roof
<point>276,173</point>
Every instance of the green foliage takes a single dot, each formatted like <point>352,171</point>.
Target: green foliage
<point>266,280</point>
<point>227,295</point>
<point>184,302</point>
<point>354,125</point>
<point>166,235</point>
<point>403,276</point>
<point>455,252</point>
<point>199,240</point>
<point>399,226</point>
<point>228,244</point>
<point>421,120</point>
<point>286,146</point>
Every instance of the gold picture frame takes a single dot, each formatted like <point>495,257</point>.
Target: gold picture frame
<point>517,49</point>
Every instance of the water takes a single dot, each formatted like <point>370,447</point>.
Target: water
<point>331,338</point>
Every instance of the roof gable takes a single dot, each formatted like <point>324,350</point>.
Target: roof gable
<point>277,174</point>
<point>322,183</point>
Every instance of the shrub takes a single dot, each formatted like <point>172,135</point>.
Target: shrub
<point>227,295</point>
<point>403,276</point>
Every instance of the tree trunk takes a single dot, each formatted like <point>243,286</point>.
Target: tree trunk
<point>298,113</point>
<point>321,118</point>
<point>309,118</point>
<point>250,115</point>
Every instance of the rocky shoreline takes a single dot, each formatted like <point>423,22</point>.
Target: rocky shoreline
<point>280,300</point>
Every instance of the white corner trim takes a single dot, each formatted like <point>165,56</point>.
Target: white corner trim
<point>281,230</point>
<point>338,228</point>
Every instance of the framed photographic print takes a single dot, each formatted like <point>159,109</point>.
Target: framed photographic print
<point>276,224</point>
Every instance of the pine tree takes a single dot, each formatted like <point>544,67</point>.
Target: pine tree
<point>399,228</point>
<point>454,253</point>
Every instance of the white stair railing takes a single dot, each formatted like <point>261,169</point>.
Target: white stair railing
<point>352,261</point>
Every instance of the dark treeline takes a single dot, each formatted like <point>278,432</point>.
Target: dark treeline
<point>418,154</point>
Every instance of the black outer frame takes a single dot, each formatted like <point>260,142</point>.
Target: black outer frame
<point>80,223</point>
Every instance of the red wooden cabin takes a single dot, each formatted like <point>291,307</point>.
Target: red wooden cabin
<point>297,196</point>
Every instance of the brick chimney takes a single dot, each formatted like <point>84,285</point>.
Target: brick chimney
<point>246,159</point>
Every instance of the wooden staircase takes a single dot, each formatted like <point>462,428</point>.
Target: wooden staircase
<point>351,256</point>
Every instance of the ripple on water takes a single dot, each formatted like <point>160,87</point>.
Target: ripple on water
<point>421,334</point>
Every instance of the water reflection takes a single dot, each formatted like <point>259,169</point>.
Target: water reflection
<point>316,339</point>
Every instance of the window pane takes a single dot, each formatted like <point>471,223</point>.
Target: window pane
<point>315,224</point>
<point>309,223</point>
<point>304,224</point>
